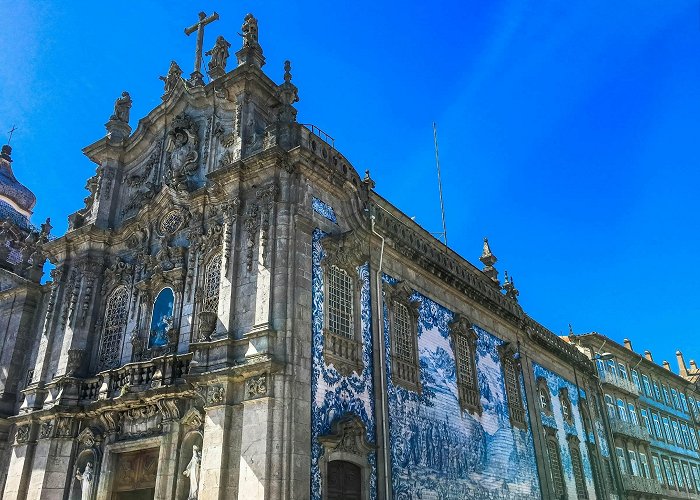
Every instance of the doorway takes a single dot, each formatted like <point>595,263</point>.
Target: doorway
<point>135,477</point>
<point>344,481</point>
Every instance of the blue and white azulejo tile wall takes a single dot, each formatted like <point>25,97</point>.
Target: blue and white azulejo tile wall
<point>333,395</point>
<point>440,452</point>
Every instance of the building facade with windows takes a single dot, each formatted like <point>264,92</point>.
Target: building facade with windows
<point>236,313</point>
<point>653,415</point>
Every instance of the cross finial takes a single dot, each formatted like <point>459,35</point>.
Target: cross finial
<point>196,76</point>
<point>10,133</point>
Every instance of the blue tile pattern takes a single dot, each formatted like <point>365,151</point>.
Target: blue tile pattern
<point>323,209</point>
<point>437,450</point>
<point>555,383</point>
<point>333,395</point>
<point>8,212</point>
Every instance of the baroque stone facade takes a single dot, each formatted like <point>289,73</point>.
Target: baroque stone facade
<point>236,313</point>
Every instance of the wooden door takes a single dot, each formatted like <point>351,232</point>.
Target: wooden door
<point>344,481</point>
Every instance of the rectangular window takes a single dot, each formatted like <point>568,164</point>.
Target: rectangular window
<point>511,378</point>
<point>645,419</point>
<point>657,469</point>
<point>623,371</point>
<point>612,368</point>
<point>635,379</point>
<point>657,426</point>
<point>667,429</point>
<point>601,367</point>
<point>340,303</point>
<point>647,386</point>
<point>677,433</point>
<point>686,475</point>
<point>684,403</point>
<point>403,333</point>
<point>633,414</point>
<point>555,466</point>
<point>644,466</point>
<point>633,462</point>
<point>686,435</point>
<point>676,400</point>
<point>667,397</point>
<point>657,392</point>
<point>679,474</point>
<point>696,476</point>
<point>621,462</point>
<point>693,437</point>
<point>610,405</point>
<point>669,473</point>
<point>691,404</point>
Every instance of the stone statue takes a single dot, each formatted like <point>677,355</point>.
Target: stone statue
<point>192,471</point>
<point>85,479</point>
<point>219,55</point>
<point>250,31</point>
<point>172,78</point>
<point>121,108</point>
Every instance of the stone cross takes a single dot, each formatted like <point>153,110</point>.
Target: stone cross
<point>11,132</point>
<point>199,28</point>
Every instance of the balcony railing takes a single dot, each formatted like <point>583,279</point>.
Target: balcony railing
<point>137,377</point>
<point>640,484</point>
<point>630,430</point>
<point>619,382</point>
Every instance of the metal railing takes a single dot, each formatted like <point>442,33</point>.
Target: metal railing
<point>320,133</point>
<point>619,382</point>
<point>629,429</point>
<point>641,484</point>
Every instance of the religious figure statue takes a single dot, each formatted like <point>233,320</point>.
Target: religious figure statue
<point>192,472</point>
<point>172,78</point>
<point>250,31</point>
<point>85,479</point>
<point>219,56</point>
<point>121,108</point>
<point>182,152</point>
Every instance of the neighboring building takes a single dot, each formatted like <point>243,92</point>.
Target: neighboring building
<point>654,416</point>
<point>235,313</point>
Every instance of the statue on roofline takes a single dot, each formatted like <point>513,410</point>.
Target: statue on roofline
<point>250,31</point>
<point>121,108</point>
<point>173,77</point>
<point>219,55</point>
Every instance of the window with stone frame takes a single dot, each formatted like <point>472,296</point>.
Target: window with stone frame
<point>403,322</point>
<point>464,346</point>
<point>577,467</point>
<point>543,396</point>
<point>212,281</point>
<point>555,467</point>
<point>342,335</point>
<point>113,330</point>
<point>565,402</point>
<point>510,361</point>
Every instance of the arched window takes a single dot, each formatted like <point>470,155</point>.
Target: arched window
<point>114,323</point>
<point>162,318</point>
<point>543,393</point>
<point>622,410</point>
<point>565,405</point>
<point>555,467</point>
<point>212,280</point>
<point>577,467</point>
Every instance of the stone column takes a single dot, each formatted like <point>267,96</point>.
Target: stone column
<point>20,469</point>
<point>254,470</point>
<point>168,459</point>
<point>53,460</point>
<point>220,446</point>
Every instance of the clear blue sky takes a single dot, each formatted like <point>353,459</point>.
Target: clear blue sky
<point>568,130</point>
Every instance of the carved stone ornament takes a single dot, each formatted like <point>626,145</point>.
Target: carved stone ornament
<point>169,410</point>
<point>140,422</point>
<point>461,325</point>
<point>346,251</point>
<point>207,324</point>
<point>193,419</point>
<point>348,435</point>
<point>256,387</point>
<point>22,434</point>
<point>64,427</point>
<point>401,292</point>
<point>87,438</point>
<point>46,429</point>
<point>216,394</point>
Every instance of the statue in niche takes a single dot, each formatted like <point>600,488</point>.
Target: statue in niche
<point>85,479</point>
<point>192,472</point>
<point>219,55</point>
<point>182,152</point>
<point>121,108</point>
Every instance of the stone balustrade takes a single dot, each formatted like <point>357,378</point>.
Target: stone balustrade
<point>138,376</point>
<point>638,484</point>
<point>619,382</point>
<point>629,429</point>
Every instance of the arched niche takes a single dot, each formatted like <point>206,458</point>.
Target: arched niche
<point>84,457</point>
<point>191,439</point>
<point>162,318</point>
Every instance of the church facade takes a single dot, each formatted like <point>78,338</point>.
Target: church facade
<point>236,313</point>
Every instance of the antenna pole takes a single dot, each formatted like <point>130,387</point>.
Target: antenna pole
<point>442,205</point>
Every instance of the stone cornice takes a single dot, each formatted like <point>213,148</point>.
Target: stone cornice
<point>423,249</point>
